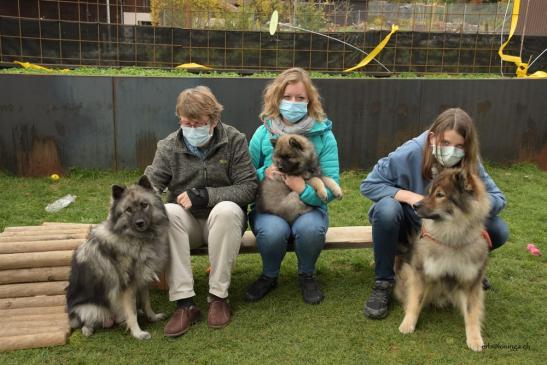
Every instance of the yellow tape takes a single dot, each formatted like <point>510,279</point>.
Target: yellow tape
<point>193,65</point>
<point>375,51</point>
<point>522,67</point>
<point>32,66</point>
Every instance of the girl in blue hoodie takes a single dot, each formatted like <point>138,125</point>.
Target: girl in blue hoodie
<point>292,105</point>
<point>400,180</point>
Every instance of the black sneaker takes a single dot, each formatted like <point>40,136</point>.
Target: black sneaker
<point>486,283</point>
<point>260,288</point>
<point>311,292</point>
<point>377,305</point>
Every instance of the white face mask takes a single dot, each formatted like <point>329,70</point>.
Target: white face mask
<point>447,156</point>
<point>198,136</point>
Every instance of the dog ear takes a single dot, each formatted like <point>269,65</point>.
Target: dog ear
<point>464,181</point>
<point>294,143</point>
<point>117,191</point>
<point>145,183</point>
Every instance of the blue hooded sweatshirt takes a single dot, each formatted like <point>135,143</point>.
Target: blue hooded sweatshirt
<point>402,169</point>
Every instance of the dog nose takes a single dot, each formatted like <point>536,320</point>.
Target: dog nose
<point>139,223</point>
<point>417,204</point>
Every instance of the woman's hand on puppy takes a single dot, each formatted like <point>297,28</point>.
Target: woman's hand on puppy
<point>295,183</point>
<point>184,200</point>
<point>272,172</point>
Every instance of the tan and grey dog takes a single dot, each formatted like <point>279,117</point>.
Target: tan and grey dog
<point>294,155</point>
<point>447,260</point>
<point>111,271</point>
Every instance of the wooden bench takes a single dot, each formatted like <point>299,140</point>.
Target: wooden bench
<point>337,238</point>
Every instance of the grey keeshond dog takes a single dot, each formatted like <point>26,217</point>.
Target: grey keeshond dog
<point>294,155</point>
<point>111,271</point>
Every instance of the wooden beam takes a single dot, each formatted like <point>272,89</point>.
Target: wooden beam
<point>40,246</point>
<point>35,259</point>
<point>33,302</point>
<point>32,341</point>
<point>38,274</point>
<point>32,289</point>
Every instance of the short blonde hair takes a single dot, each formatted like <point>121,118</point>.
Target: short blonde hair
<point>198,102</point>
<point>275,90</point>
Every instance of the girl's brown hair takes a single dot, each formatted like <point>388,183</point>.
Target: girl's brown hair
<point>198,102</point>
<point>275,90</point>
<point>458,120</point>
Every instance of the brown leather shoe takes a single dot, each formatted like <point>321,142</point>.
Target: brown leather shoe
<point>181,320</point>
<point>219,312</point>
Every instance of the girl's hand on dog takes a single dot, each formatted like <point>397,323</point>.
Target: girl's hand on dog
<point>184,200</point>
<point>409,197</point>
<point>295,183</point>
<point>272,172</point>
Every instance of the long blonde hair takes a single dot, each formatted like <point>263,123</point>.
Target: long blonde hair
<point>275,89</point>
<point>458,120</point>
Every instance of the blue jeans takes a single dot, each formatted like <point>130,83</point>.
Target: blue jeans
<point>392,221</point>
<point>273,235</point>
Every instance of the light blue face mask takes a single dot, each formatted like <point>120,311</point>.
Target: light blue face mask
<point>197,136</point>
<point>293,111</point>
<point>447,156</point>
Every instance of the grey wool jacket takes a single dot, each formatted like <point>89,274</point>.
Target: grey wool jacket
<point>226,171</point>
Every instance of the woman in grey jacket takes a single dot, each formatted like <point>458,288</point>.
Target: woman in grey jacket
<point>207,168</point>
<point>400,180</point>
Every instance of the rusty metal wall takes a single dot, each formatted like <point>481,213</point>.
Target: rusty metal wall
<point>115,122</point>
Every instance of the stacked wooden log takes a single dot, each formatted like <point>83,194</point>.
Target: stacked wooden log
<point>34,270</point>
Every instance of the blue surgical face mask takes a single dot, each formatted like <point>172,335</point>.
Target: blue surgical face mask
<point>293,111</point>
<point>447,156</point>
<point>198,136</point>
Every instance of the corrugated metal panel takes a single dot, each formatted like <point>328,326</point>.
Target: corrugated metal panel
<point>105,122</point>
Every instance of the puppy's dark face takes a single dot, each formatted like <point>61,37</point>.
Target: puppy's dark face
<point>293,154</point>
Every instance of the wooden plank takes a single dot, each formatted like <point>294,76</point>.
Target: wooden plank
<point>33,275</point>
<point>33,302</point>
<point>32,289</point>
<point>67,224</point>
<point>19,331</point>
<point>42,237</point>
<point>36,317</point>
<point>40,246</point>
<point>336,238</point>
<point>35,259</point>
<point>48,227</point>
<point>32,310</point>
<point>37,230</point>
<point>32,341</point>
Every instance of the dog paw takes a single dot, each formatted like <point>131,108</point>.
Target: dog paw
<point>406,328</point>
<point>322,194</point>
<point>87,331</point>
<point>141,335</point>
<point>338,194</point>
<point>475,344</point>
<point>157,317</point>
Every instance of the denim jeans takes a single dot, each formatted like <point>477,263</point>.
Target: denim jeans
<point>273,235</point>
<point>392,221</point>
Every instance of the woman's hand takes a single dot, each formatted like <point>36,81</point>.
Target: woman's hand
<point>295,183</point>
<point>409,197</point>
<point>184,200</point>
<point>272,172</point>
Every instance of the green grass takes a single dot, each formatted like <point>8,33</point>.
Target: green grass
<point>158,72</point>
<point>282,328</point>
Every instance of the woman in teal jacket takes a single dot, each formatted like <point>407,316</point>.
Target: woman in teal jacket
<point>292,105</point>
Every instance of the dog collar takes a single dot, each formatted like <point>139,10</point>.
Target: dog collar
<point>484,234</point>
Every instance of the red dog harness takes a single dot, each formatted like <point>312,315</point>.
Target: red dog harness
<point>484,234</point>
